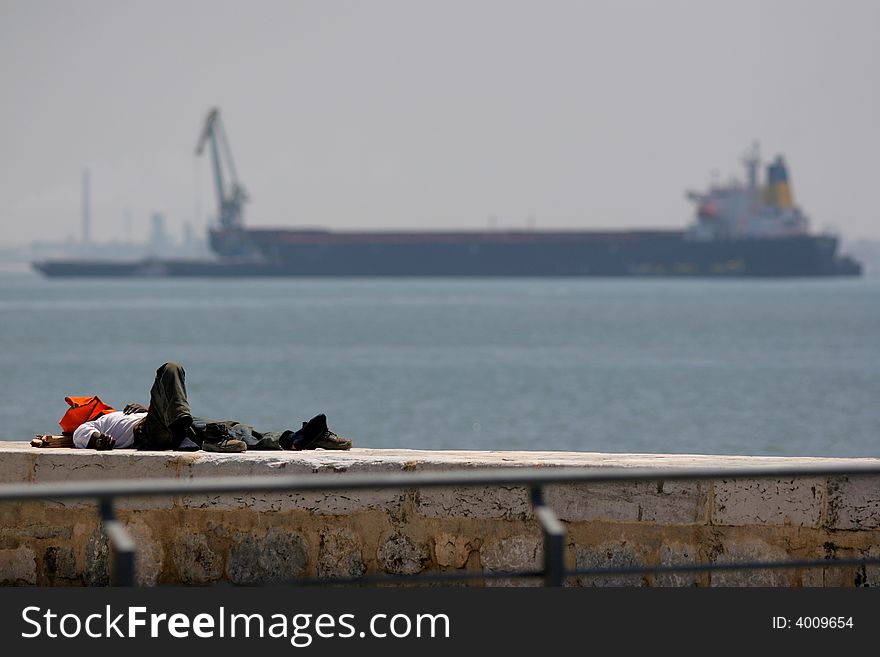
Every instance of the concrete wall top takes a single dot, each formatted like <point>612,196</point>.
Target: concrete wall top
<point>20,462</point>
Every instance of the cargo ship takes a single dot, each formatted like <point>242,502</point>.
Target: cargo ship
<point>742,229</point>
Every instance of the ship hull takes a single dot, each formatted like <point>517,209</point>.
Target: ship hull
<point>155,268</point>
<point>501,254</point>
<point>532,253</point>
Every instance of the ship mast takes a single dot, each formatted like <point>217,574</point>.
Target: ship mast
<point>752,160</point>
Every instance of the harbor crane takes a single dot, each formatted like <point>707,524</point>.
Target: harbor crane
<point>230,202</point>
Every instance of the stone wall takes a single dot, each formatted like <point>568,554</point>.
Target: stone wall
<point>248,539</point>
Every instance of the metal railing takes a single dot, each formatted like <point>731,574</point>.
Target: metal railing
<point>553,571</point>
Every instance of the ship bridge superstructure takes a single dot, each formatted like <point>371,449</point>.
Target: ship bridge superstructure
<point>749,210</point>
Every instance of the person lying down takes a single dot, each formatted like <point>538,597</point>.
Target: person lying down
<point>168,424</point>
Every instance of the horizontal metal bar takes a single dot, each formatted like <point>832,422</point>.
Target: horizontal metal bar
<point>526,476</point>
<point>429,577</point>
<point>629,570</point>
<point>744,565</point>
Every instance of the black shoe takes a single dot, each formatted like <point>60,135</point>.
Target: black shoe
<point>311,433</point>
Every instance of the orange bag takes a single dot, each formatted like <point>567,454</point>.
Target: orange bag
<point>82,409</point>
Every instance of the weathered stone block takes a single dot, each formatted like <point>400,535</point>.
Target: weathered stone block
<point>832,576</point>
<point>675,502</point>
<point>10,517</point>
<point>677,554</point>
<point>60,562</point>
<point>609,555</point>
<point>452,550</point>
<point>751,551</point>
<point>274,558</point>
<point>853,503</point>
<point>285,464</point>
<point>97,563</point>
<point>501,502</point>
<point>18,566</point>
<point>512,554</point>
<point>195,561</point>
<point>340,554</point>
<point>88,465</point>
<point>335,503</point>
<point>17,466</point>
<point>400,555</point>
<point>795,502</point>
<point>42,531</point>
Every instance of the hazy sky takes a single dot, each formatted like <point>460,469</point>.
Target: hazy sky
<point>441,113</point>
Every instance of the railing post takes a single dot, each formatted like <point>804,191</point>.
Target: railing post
<point>554,535</point>
<point>122,568</point>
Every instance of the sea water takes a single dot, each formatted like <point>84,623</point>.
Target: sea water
<point>788,367</point>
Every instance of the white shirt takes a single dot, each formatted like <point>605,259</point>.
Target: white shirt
<point>116,425</point>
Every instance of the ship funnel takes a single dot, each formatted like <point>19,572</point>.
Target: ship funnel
<point>778,185</point>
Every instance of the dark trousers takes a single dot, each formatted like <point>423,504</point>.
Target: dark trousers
<point>303,438</point>
<point>169,410</point>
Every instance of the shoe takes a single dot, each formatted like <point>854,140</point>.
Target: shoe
<point>311,432</point>
<point>331,441</point>
<point>225,446</point>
